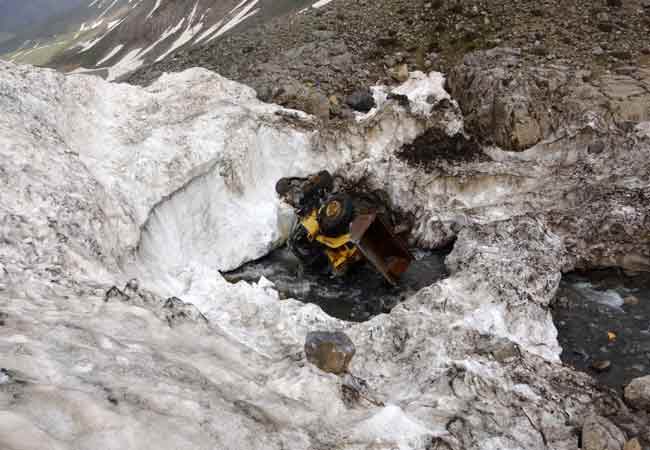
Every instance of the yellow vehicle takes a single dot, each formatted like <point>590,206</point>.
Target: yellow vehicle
<point>335,230</point>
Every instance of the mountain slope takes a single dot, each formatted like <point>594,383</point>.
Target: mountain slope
<point>123,35</point>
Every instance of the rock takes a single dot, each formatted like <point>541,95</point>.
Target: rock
<point>637,393</point>
<point>361,100</point>
<point>599,433</point>
<point>601,365</point>
<point>399,73</point>
<point>631,300</point>
<point>176,311</point>
<point>115,293</point>
<point>329,351</point>
<point>596,148</point>
<point>319,106</point>
<point>633,444</point>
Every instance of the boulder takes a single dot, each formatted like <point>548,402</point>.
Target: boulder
<point>361,100</point>
<point>399,73</point>
<point>637,393</point>
<point>633,444</point>
<point>329,351</point>
<point>599,433</point>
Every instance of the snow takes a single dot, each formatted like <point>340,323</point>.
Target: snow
<point>87,45</point>
<point>128,63</point>
<point>240,17</point>
<point>208,32</point>
<point>110,54</point>
<point>105,182</point>
<point>187,35</point>
<point>153,10</point>
<point>320,3</point>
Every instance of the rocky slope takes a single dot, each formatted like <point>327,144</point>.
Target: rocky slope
<point>351,44</point>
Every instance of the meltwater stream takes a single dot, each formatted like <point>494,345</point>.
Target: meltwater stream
<point>357,296</point>
<point>604,317</point>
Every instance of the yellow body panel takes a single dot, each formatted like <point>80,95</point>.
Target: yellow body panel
<point>340,251</point>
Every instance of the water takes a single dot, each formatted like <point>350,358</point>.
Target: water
<point>588,306</point>
<point>357,296</point>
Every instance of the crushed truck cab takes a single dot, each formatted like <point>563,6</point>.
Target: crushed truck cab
<point>336,229</point>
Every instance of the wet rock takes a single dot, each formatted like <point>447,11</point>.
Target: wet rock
<point>633,444</point>
<point>329,351</point>
<point>637,393</point>
<point>361,100</point>
<point>601,365</point>
<point>598,433</point>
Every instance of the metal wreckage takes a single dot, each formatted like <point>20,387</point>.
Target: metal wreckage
<point>337,229</point>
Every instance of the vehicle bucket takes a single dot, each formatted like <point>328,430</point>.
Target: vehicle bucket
<point>383,249</point>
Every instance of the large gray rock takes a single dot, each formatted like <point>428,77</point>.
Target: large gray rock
<point>329,351</point>
<point>361,100</point>
<point>637,393</point>
<point>598,433</point>
<point>516,104</point>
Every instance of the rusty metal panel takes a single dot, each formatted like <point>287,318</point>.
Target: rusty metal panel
<point>384,250</point>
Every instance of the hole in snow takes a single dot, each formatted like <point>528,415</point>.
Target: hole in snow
<point>356,296</point>
<point>602,317</point>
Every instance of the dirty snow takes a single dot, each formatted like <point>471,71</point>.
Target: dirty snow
<point>171,183</point>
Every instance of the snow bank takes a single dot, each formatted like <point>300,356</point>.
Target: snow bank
<point>169,184</point>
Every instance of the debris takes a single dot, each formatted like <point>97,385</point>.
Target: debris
<point>329,351</point>
<point>338,229</point>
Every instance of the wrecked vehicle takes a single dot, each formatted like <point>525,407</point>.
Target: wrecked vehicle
<point>337,229</point>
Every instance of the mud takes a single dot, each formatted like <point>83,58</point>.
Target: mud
<point>587,307</point>
<point>357,296</point>
<point>434,148</point>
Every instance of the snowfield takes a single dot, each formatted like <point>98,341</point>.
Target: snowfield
<point>105,183</point>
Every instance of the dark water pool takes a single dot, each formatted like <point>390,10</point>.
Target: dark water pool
<point>604,317</point>
<point>357,296</point>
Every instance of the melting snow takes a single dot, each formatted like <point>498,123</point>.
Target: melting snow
<point>110,54</point>
<point>155,7</point>
<point>128,63</point>
<point>320,3</point>
<point>186,36</point>
<point>239,18</point>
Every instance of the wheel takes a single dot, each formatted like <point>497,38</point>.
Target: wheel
<point>335,216</point>
<point>308,252</point>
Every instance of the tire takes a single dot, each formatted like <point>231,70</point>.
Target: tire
<point>309,253</point>
<point>335,216</point>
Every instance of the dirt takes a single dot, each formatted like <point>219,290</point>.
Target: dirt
<point>435,148</point>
